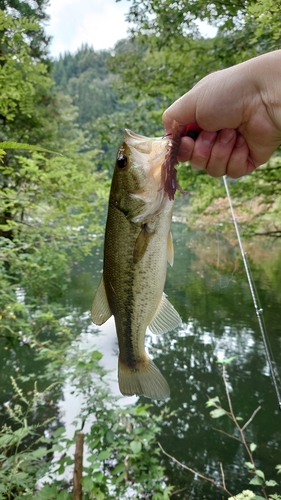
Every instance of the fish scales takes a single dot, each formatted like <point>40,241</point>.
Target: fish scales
<point>136,249</point>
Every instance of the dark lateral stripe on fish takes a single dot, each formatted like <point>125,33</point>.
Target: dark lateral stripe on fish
<point>129,358</point>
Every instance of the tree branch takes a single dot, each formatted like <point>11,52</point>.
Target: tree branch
<point>212,481</point>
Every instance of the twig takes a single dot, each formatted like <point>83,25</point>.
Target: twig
<point>177,491</point>
<point>222,475</point>
<point>215,483</point>
<point>251,418</point>
<point>241,429</point>
<point>226,434</point>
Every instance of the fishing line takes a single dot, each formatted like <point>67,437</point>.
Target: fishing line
<point>258,310</point>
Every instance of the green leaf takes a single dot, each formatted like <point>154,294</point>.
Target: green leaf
<point>58,432</point>
<point>98,476</point>
<point>104,455</point>
<point>57,447</point>
<point>20,476</point>
<point>98,494</point>
<point>96,355</point>
<point>39,453</point>
<point>253,446</point>
<point>109,436</point>
<point>24,146</point>
<point>225,361</point>
<point>260,473</point>
<point>94,465</point>
<point>142,409</point>
<point>278,467</point>
<point>250,465</point>
<point>119,468</point>
<point>256,480</point>
<point>213,402</point>
<point>219,412</point>
<point>271,482</point>
<point>136,446</point>
<point>5,439</point>
<point>48,492</point>
<point>87,483</point>
<point>64,495</point>
<point>120,478</point>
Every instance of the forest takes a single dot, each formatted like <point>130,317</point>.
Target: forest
<point>61,122</point>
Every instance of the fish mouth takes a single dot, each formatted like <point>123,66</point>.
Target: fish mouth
<point>148,154</point>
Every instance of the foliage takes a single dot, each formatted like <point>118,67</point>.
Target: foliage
<point>122,456</point>
<point>258,475</point>
<point>172,56</point>
<point>22,456</point>
<point>51,211</point>
<point>23,79</point>
<point>238,435</point>
<point>85,77</point>
<point>35,10</point>
<point>168,23</point>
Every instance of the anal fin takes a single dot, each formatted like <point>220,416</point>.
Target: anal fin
<point>166,317</point>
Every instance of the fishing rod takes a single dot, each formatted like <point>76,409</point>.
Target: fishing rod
<point>258,309</point>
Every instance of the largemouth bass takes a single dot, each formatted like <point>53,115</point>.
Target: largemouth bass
<point>138,244</point>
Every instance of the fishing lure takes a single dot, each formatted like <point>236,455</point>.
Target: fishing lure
<point>169,174</point>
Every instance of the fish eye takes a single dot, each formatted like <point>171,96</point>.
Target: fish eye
<point>121,161</point>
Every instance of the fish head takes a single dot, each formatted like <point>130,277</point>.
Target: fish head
<point>137,185</point>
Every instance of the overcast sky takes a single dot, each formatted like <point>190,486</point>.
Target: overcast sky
<point>100,23</point>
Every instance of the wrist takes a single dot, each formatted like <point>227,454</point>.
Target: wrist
<point>266,70</point>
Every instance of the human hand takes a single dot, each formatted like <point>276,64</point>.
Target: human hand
<point>239,112</point>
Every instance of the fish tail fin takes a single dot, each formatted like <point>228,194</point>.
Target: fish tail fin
<point>143,380</point>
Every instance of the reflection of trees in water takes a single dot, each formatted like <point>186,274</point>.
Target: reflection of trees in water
<point>190,366</point>
<point>219,322</point>
<point>212,296</point>
<point>20,360</point>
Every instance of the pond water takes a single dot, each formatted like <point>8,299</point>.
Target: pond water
<point>208,287</point>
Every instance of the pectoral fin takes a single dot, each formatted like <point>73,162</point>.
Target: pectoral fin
<point>142,241</point>
<point>170,249</point>
<point>100,309</point>
<point>166,317</point>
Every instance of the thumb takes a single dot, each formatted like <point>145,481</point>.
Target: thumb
<point>183,111</point>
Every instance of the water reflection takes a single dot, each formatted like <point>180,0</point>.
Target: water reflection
<point>208,287</point>
<point>105,341</point>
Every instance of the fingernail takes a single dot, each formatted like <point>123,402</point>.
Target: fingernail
<point>208,137</point>
<point>240,141</point>
<point>226,136</point>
